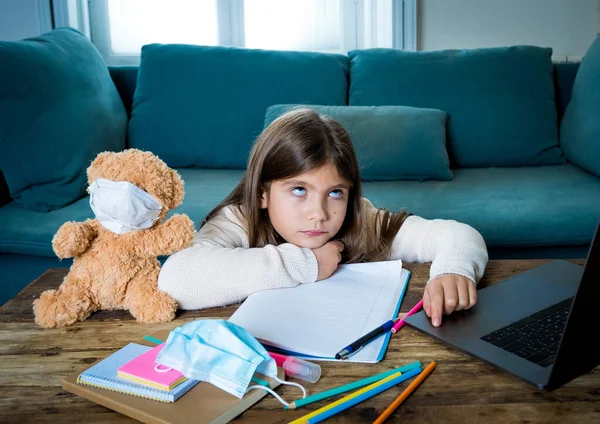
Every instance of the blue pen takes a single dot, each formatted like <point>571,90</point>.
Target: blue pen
<point>370,336</point>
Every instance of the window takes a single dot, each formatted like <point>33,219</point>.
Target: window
<point>133,23</point>
<point>119,28</point>
<point>293,25</point>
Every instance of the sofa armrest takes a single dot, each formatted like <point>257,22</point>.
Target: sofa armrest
<point>4,193</point>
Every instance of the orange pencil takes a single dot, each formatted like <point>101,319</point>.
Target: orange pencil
<point>405,393</point>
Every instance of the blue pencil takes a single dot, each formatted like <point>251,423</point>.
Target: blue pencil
<point>358,399</point>
<point>351,386</point>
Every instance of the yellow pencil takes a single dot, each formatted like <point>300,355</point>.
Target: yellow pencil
<point>405,394</point>
<point>305,418</point>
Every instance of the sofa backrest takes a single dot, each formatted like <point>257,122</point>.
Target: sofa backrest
<point>564,76</point>
<point>203,106</point>
<point>125,79</point>
<point>500,101</point>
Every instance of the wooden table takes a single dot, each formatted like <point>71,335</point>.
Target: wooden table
<point>460,390</point>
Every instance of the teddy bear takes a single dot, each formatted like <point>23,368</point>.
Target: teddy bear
<point>115,263</point>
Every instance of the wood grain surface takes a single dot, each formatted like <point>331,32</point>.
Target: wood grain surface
<point>460,390</point>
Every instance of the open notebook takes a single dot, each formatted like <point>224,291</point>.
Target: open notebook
<point>319,319</point>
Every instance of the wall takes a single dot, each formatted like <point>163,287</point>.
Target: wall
<point>568,26</point>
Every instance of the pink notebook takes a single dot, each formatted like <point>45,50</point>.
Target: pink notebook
<point>144,370</point>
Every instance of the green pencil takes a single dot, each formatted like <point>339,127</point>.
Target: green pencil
<point>351,386</point>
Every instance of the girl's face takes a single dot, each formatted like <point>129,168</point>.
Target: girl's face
<point>308,209</point>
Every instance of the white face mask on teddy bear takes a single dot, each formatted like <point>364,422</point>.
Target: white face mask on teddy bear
<point>122,207</point>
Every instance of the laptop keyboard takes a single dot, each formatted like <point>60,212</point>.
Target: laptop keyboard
<point>535,337</point>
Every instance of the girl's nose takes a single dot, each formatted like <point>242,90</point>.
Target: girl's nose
<point>317,211</point>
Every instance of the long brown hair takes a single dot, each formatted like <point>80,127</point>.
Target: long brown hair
<point>300,141</point>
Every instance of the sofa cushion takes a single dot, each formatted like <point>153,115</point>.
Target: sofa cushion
<point>391,142</point>
<point>29,232</point>
<point>204,106</point>
<point>580,127</point>
<point>500,101</point>
<point>529,206</point>
<point>58,109</point>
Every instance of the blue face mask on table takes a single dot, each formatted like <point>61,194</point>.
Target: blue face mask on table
<point>221,353</point>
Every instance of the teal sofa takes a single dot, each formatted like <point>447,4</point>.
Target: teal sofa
<point>542,211</point>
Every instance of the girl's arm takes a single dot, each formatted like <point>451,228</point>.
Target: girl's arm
<point>458,257</point>
<point>452,247</point>
<point>220,269</point>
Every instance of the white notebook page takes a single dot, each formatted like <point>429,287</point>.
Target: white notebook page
<point>320,319</point>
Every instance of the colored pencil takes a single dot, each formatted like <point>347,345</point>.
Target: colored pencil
<point>304,418</point>
<point>362,397</point>
<point>153,339</point>
<point>411,388</point>
<point>400,322</point>
<point>350,386</point>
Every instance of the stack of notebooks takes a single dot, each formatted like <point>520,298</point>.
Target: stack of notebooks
<point>173,400</point>
<point>130,370</point>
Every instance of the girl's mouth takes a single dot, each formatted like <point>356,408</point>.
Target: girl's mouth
<point>313,233</point>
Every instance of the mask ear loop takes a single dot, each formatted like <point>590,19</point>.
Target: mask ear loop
<point>288,383</point>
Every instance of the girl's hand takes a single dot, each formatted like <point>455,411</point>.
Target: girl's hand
<point>447,293</point>
<point>328,258</point>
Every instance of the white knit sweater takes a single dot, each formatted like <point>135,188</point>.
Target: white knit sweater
<point>220,268</point>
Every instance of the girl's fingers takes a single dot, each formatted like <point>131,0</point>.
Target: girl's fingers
<point>450,296</point>
<point>436,292</point>
<point>427,302</point>
<point>472,294</point>
<point>463,294</point>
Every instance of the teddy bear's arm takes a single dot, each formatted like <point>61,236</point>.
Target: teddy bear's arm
<point>174,234</point>
<point>74,238</point>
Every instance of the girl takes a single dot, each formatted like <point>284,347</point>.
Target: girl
<point>298,212</point>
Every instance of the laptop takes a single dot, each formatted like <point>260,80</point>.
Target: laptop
<point>540,325</point>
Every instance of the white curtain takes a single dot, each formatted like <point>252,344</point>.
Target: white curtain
<point>122,27</point>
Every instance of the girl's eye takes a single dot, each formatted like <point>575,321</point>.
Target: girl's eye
<point>299,191</point>
<point>337,194</point>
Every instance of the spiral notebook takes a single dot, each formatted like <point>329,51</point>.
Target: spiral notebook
<point>316,320</point>
<point>105,376</point>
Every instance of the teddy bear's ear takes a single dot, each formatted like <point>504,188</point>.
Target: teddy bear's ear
<point>96,164</point>
<point>178,191</point>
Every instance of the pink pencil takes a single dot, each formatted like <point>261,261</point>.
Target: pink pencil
<point>400,323</point>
